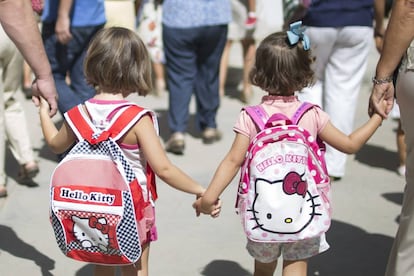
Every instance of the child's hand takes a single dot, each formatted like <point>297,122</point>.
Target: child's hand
<point>44,105</point>
<point>197,206</point>
<point>383,108</point>
<point>213,210</point>
<point>216,209</point>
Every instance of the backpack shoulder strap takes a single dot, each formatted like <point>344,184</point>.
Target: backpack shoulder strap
<point>303,108</point>
<point>258,115</point>
<point>122,119</point>
<point>80,123</point>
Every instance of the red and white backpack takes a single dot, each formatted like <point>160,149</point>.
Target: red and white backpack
<point>284,191</point>
<point>97,208</point>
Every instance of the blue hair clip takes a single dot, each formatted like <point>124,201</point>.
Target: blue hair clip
<point>296,33</point>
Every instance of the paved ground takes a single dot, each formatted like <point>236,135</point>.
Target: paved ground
<point>366,207</point>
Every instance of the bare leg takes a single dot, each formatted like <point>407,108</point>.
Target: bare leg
<point>27,76</point>
<point>401,147</point>
<point>103,270</point>
<point>141,267</point>
<point>159,78</point>
<point>295,268</point>
<point>249,50</point>
<point>264,269</point>
<point>223,67</point>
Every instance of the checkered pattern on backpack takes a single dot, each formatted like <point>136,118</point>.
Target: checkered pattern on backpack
<point>89,207</point>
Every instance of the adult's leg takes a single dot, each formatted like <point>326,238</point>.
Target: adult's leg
<point>249,50</point>
<point>5,46</point>
<point>323,40</point>
<point>210,44</point>
<point>401,262</point>
<point>181,71</point>
<point>16,127</point>
<point>224,62</point>
<point>343,76</point>
<point>76,53</point>
<point>120,13</point>
<point>58,59</point>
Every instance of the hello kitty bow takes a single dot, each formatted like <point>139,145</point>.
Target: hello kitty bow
<point>296,33</point>
<point>94,223</point>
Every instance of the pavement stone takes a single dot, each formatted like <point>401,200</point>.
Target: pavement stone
<point>366,204</point>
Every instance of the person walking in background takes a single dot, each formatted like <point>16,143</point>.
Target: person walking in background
<point>120,13</point>
<point>149,28</point>
<point>194,34</point>
<point>251,19</point>
<point>398,48</point>
<point>13,122</point>
<point>395,113</point>
<point>24,32</point>
<point>117,64</point>
<point>342,35</point>
<point>67,27</point>
<point>238,31</point>
<point>282,66</point>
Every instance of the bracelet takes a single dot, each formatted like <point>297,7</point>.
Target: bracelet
<point>376,81</point>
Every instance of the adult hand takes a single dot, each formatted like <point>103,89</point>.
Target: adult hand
<point>381,92</point>
<point>45,87</point>
<point>62,29</point>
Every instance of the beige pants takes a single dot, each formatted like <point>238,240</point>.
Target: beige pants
<point>120,13</point>
<point>401,260</point>
<point>13,124</point>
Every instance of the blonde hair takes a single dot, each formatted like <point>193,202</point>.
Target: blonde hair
<point>117,61</point>
<point>281,68</point>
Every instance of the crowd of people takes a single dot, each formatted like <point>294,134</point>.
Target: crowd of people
<point>189,40</point>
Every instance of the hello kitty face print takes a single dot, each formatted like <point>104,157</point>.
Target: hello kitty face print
<point>293,210</point>
<point>91,232</point>
<point>284,191</point>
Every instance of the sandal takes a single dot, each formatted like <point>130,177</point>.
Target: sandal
<point>27,91</point>
<point>27,172</point>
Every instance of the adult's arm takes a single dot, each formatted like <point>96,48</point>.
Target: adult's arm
<point>18,21</point>
<point>379,30</point>
<point>399,34</point>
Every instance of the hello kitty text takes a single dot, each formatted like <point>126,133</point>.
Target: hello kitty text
<point>91,197</point>
<point>288,158</point>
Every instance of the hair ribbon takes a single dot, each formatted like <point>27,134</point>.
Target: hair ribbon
<point>296,33</point>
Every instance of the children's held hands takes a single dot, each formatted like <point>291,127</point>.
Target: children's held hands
<point>213,210</point>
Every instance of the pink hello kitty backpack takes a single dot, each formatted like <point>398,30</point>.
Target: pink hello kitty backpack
<point>284,190</point>
<point>98,211</point>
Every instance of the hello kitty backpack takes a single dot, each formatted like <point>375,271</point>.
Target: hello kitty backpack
<point>284,190</point>
<point>97,208</point>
